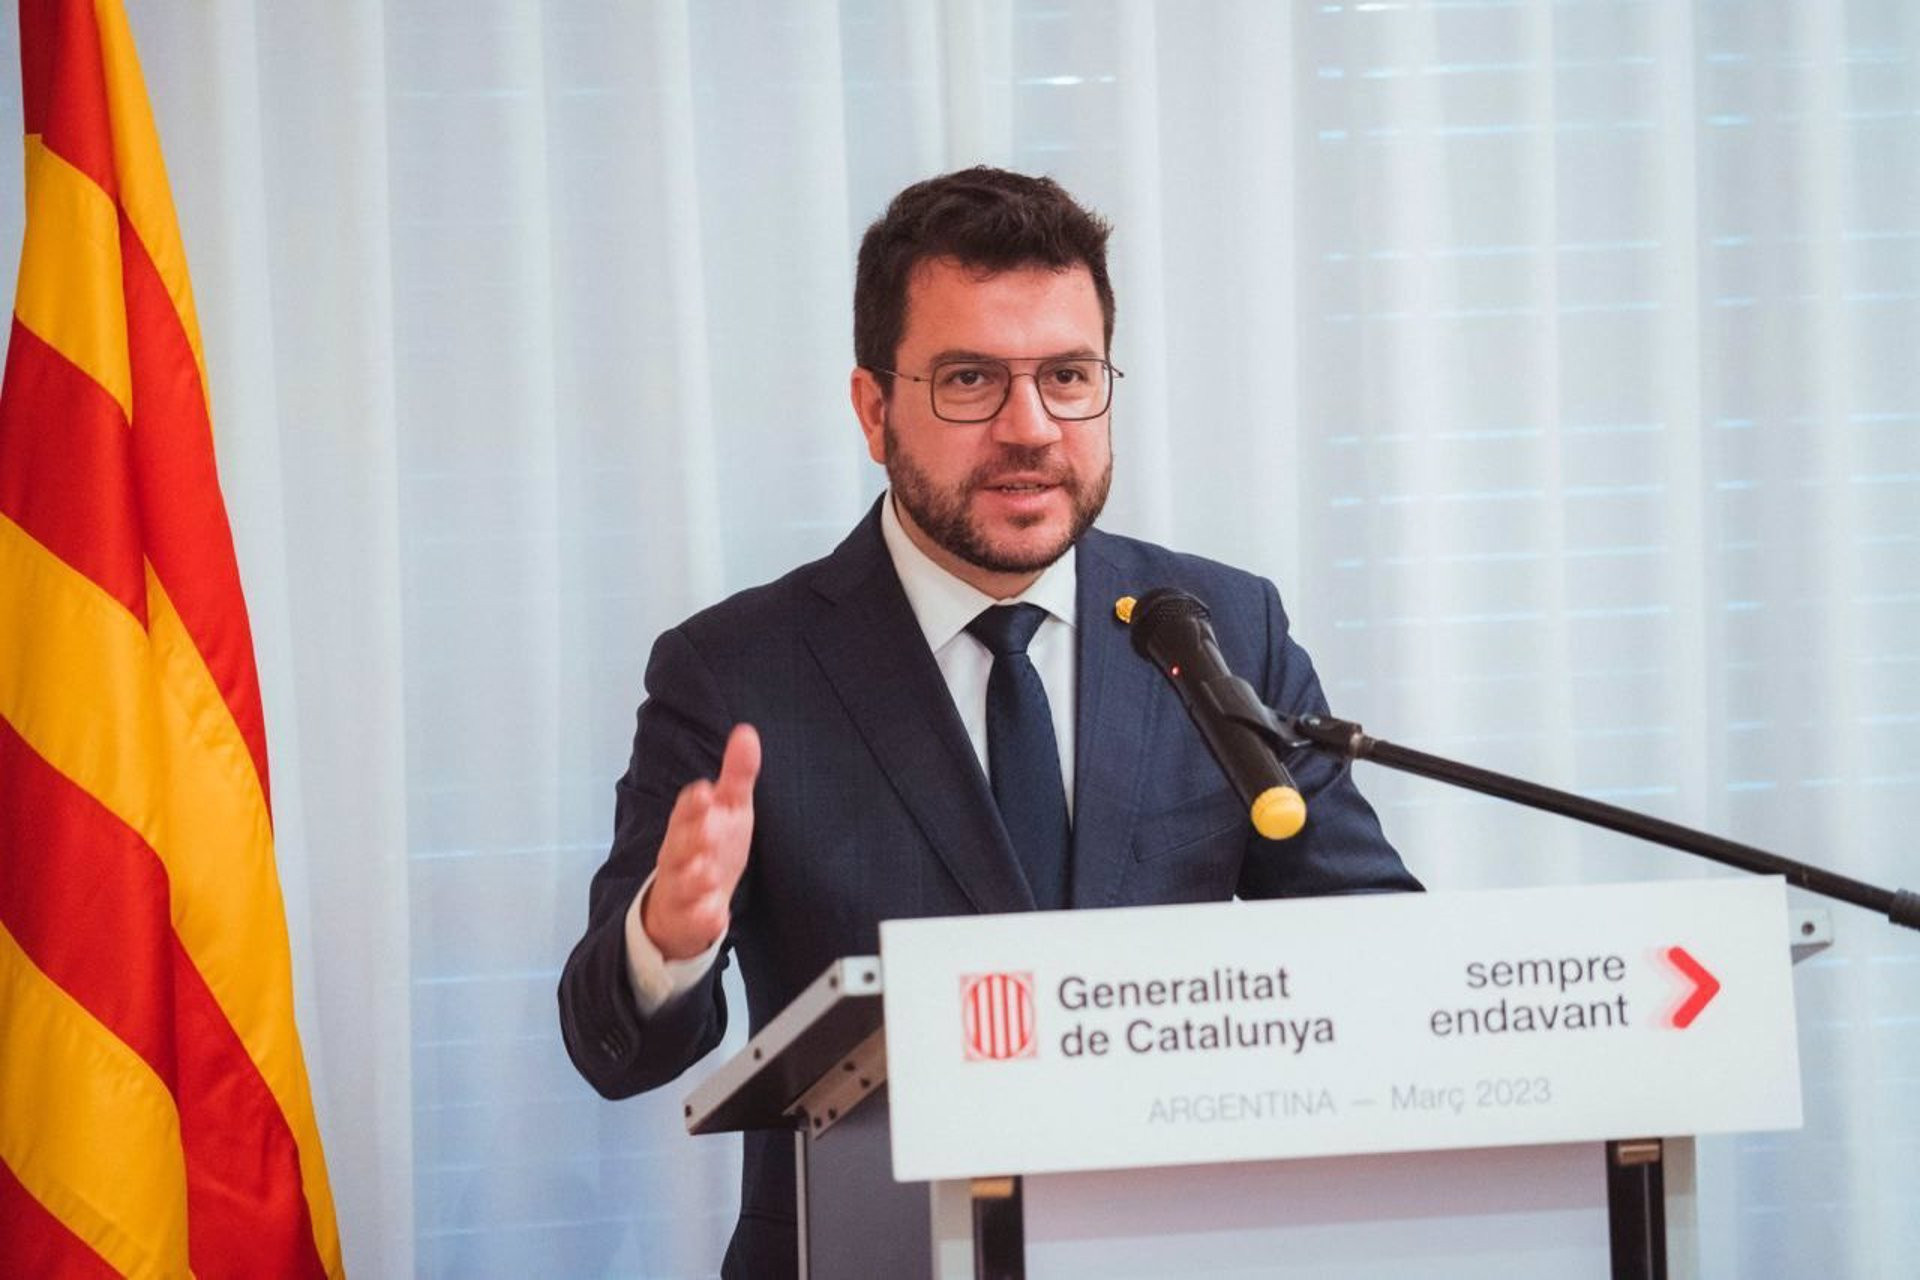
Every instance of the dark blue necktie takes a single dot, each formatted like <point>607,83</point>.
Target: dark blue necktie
<point>1023,759</point>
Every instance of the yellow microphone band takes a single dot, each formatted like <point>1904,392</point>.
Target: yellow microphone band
<point>1279,812</point>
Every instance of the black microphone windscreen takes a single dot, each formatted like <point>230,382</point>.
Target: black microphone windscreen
<point>1157,609</point>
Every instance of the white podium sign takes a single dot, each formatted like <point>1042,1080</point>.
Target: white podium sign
<point>1263,1030</point>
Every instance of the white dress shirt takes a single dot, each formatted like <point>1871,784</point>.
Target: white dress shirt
<point>943,605</point>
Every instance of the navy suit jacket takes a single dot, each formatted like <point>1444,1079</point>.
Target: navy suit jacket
<point>871,803</point>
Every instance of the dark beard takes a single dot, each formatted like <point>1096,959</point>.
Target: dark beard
<point>945,517</point>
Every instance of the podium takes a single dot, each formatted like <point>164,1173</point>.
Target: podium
<point>1501,1082</point>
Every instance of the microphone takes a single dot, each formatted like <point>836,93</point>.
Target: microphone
<point>1169,628</point>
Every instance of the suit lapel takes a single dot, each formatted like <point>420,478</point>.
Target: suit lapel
<point>1112,726</point>
<point>875,656</point>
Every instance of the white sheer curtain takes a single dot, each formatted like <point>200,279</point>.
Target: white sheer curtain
<point>1558,359</point>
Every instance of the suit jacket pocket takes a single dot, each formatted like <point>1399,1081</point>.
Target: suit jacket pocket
<point>1204,818</point>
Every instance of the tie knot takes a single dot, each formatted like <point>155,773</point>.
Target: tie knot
<point>1007,629</point>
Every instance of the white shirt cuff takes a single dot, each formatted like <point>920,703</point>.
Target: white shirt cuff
<point>656,980</point>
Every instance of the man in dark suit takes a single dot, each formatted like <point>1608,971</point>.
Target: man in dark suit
<point>839,747</point>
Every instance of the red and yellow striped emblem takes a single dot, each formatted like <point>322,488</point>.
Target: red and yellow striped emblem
<point>996,1016</point>
<point>155,1118</point>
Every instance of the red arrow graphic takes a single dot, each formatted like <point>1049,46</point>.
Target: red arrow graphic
<point>1705,986</point>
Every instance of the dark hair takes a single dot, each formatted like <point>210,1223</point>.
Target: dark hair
<point>986,218</point>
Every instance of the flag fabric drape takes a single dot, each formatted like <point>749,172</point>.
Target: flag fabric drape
<point>155,1117</point>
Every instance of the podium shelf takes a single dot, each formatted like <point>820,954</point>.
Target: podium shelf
<point>759,1087</point>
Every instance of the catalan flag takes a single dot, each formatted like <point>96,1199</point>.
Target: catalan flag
<point>155,1118</point>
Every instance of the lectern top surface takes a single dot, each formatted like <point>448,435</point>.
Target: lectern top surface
<point>757,1087</point>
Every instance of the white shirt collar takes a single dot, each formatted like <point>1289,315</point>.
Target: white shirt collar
<point>944,605</point>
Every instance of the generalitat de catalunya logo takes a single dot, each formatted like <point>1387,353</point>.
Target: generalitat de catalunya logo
<point>996,1015</point>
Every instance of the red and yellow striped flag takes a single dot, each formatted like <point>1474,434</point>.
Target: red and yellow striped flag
<point>155,1117</point>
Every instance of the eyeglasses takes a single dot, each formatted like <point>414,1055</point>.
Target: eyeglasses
<point>1072,388</point>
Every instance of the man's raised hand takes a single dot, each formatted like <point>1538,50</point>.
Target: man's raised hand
<point>703,854</point>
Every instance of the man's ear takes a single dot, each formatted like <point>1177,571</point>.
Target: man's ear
<point>870,406</point>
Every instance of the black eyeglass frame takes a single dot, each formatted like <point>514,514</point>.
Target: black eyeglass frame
<point>1114,374</point>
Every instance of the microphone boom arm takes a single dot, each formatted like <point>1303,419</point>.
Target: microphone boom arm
<point>1346,740</point>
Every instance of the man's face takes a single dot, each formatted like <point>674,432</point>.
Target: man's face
<point>992,502</point>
